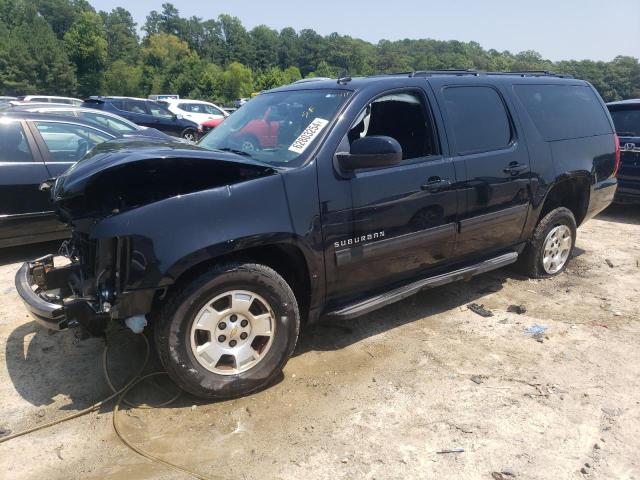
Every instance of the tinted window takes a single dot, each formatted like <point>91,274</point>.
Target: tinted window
<point>627,122</point>
<point>159,111</point>
<point>68,142</point>
<point>564,111</point>
<point>119,104</point>
<point>108,121</point>
<point>13,143</point>
<point>478,119</point>
<point>135,106</point>
<point>401,116</point>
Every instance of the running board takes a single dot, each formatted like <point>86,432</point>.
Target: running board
<point>392,296</point>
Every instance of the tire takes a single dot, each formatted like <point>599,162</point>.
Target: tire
<point>532,261</point>
<point>249,144</point>
<point>190,134</point>
<point>179,338</point>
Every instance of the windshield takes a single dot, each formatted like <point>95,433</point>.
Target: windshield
<point>627,122</point>
<point>277,128</point>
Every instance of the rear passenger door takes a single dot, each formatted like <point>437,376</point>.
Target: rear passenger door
<point>495,186</point>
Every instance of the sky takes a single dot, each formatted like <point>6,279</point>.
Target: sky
<point>558,29</point>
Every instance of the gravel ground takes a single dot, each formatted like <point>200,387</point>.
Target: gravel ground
<point>377,397</point>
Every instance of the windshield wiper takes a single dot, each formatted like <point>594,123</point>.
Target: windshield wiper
<point>236,151</point>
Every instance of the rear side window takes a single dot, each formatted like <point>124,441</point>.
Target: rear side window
<point>478,119</point>
<point>68,142</point>
<point>135,106</point>
<point>13,143</point>
<point>562,112</point>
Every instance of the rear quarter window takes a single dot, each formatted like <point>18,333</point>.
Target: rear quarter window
<point>562,112</point>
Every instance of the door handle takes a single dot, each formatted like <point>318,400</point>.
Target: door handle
<point>515,168</point>
<point>435,184</point>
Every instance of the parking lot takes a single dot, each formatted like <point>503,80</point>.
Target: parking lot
<point>377,397</point>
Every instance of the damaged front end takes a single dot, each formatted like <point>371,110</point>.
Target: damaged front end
<point>110,275</point>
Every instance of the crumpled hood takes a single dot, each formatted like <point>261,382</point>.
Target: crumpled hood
<point>126,173</point>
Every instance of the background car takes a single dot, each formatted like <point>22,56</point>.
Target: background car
<point>626,117</point>
<point>148,114</point>
<point>196,110</point>
<point>51,99</point>
<point>97,117</point>
<point>35,147</point>
<point>211,124</point>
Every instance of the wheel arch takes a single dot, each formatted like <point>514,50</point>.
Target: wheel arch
<point>287,258</point>
<point>572,192</point>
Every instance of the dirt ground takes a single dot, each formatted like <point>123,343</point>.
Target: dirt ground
<point>373,398</point>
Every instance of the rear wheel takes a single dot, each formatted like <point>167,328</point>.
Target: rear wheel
<point>228,332</point>
<point>551,246</point>
<point>190,134</point>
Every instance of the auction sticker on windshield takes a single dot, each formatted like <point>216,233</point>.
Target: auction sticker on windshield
<point>301,143</point>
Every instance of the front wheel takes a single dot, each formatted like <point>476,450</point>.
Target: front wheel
<point>229,332</point>
<point>551,246</point>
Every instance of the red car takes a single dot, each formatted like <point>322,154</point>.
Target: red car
<point>211,124</point>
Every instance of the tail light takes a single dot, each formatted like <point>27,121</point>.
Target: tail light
<point>616,166</point>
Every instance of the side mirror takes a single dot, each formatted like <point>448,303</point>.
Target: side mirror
<point>371,152</point>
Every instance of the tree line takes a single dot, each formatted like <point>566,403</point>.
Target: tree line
<point>66,47</point>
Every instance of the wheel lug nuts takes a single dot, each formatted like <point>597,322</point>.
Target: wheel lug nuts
<point>244,323</point>
<point>222,325</point>
<point>233,318</point>
<point>243,335</point>
<point>222,338</point>
<point>232,343</point>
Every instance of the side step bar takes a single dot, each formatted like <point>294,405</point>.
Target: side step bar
<point>392,296</point>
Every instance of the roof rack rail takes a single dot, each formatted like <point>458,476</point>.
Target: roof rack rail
<point>477,73</point>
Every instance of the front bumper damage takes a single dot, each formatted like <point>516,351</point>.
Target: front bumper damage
<point>48,294</point>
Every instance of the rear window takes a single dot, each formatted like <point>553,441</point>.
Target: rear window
<point>562,112</point>
<point>627,122</point>
<point>478,119</point>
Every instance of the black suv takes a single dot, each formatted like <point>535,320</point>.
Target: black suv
<point>626,117</point>
<point>359,193</point>
<point>147,113</point>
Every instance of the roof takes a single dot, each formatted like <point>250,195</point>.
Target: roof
<point>394,79</point>
<point>50,117</point>
<point>625,103</point>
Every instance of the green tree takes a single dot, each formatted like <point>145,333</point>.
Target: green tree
<point>61,14</point>
<point>33,60</point>
<point>236,40</point>
<point>265,45</point>
<point>87,47</point>
<point>237,81</point>
<point>122,37</point>
<point>123,79</point>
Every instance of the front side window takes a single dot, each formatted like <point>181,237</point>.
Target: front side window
<point>627,122</point>
<point>68,142</point>
<point>402,116</point>
<point>478,119</point>
<point>13,143</point>
<point>279,127</point>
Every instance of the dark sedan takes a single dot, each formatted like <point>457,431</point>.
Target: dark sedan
<point>35,147</point>
<point>98,118</point>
